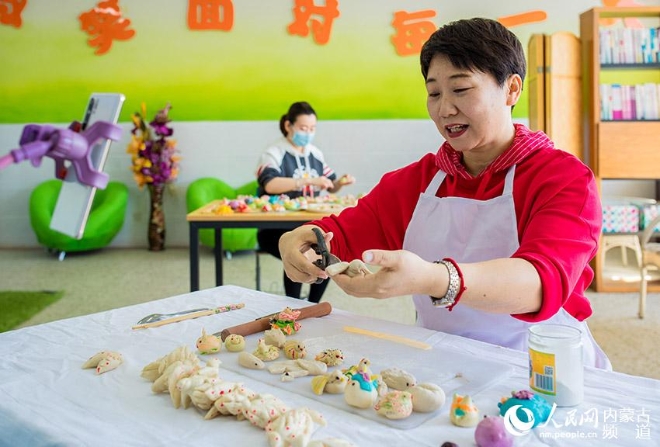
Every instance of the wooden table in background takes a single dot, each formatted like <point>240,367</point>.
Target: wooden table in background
<point>204,217</point>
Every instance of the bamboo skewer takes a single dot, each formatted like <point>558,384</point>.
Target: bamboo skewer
<point>201,313</point>
<point>389,337</point>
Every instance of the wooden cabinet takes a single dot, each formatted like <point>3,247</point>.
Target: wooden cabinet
<point>620,149</point>
<point>553,76</point>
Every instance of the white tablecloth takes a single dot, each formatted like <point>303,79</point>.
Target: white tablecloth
<point>46,398</point>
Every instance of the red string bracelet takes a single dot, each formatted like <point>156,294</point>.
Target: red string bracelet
<point>461,287</point>
<point>455,288</point>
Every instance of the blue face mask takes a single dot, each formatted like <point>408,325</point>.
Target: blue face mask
<point>302,139</point>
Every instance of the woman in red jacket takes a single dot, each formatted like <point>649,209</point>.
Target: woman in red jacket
<point>492,233</point>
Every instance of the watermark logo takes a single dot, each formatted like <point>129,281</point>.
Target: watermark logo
<point>519,421</point>
<point>515,425</point>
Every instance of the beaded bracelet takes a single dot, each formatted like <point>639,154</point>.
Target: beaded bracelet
<point>456,285</point>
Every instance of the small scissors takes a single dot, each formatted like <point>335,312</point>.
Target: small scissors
<point>320,248</point>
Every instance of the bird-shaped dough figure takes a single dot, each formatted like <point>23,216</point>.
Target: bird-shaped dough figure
<point>361,392</point>
<point>331,357</point>
<point>208,344</point>
<point>294,349</point>
<point>364,367</point>
<point>398,379</point>
<point>266,352</point>
<point>333,383</point>
<point>463,412</point>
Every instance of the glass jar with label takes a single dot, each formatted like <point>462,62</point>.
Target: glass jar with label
<point>556,369</point>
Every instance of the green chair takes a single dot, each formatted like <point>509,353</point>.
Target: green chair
<point>205,190</point>
<point>106,218</point>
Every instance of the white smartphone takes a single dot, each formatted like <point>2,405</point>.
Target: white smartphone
<point>75,199</point>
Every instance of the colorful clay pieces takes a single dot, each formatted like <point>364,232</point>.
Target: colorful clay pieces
<point>463,412</point>
<point>286,321</point>
<point>361,392</point>
<point>539,407</point>
<point>491,432</point>
<point>362,388</point>
<point>278,203</point>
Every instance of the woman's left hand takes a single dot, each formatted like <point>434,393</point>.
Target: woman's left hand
<point>400,272</point>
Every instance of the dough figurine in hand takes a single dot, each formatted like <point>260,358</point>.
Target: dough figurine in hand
<point>354,268</point>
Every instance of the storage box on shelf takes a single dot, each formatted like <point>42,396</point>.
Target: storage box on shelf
<point>624,218</point>
<point>620,149</point>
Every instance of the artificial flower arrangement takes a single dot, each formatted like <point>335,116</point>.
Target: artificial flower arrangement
<point>153,154</point>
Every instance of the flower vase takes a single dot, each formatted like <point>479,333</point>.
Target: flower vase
<point>156,233</point>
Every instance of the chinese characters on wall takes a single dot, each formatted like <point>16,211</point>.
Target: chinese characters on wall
<point>105,23</point>
<point>10,12</point>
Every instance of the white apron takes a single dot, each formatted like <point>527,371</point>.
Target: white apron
<point>469,230</point>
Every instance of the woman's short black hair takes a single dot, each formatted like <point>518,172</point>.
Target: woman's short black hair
<point>477,44</point>
<point>296,109</point>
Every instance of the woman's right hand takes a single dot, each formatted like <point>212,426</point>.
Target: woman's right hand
<point>298,257</point>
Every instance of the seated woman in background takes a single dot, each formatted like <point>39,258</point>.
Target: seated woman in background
<point>295,167</point>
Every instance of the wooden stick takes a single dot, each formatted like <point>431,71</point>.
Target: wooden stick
<point>201,313</point>
<point>263,323</point>
<point>389,337</point>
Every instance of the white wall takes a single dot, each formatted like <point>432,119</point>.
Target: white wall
<point>228,150</point>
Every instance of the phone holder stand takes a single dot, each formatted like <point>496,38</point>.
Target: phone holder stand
<point>65,145</point>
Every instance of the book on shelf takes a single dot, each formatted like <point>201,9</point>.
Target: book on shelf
<point>621,46</point>
<point>629,102</point>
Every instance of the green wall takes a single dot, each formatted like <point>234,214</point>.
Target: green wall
<point>252,72</point>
